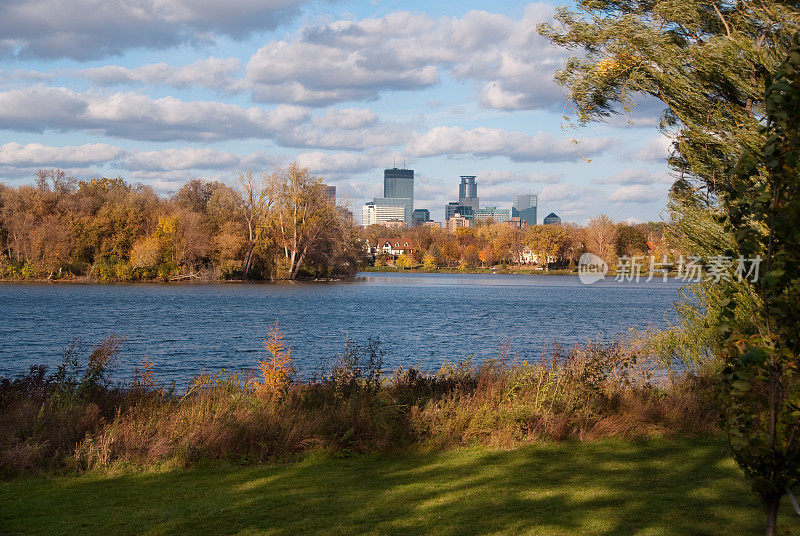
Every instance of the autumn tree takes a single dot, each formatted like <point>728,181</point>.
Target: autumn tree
<point>302,215</point>
<point>253,207</point>
<point>601,237</point>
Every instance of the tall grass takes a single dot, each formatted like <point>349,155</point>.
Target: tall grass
<point>75,419</point>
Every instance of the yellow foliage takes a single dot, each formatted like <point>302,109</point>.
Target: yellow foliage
<point>276,370</point>
<point>167,227</point>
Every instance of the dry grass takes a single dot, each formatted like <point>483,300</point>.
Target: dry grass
<point>70,420</point>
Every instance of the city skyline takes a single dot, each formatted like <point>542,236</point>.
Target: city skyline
<point>444,88</point>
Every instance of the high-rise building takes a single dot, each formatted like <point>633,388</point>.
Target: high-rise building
<point>552,219</point>
<point>454,208</point>
<point>381,211</point>
<point>492,213</point>
<point>468,192</point>
<point>420,216</point>
<point>330,192</point>
<point>399,184</point>
<point>524,208</point>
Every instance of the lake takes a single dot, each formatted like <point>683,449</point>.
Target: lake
<point>422,319</point>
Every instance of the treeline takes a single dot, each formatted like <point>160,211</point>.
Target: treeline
<point>560,246</point>
<point>279,225</point>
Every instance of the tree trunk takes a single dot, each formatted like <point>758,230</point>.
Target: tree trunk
<point>772,515</point>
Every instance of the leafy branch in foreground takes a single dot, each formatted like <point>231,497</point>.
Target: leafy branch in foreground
<point>762,374</point>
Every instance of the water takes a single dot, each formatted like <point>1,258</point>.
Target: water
<point>423,319</point>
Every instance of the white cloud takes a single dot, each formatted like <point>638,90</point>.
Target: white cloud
<point>347,118</point>
<point>181,158</point>
<point>213,73</point>
<point>638,176</point>
<point>135,116</point>
<point>517,146</point>
<point>86,29</point>
<point>638,193</point>
<point>38,155</point>
<point>339,164</point>
<point>656,150</point>
<point>511,177</point>
<point>357,60</point>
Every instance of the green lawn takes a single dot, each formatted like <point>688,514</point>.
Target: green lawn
<point>607,487</point>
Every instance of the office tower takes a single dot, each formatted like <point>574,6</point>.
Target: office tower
<point>552,219</point>
<point>382,210</point>
<point>492,213</point>
<point>468,192</point>
<point>330,192</point>
<point>420,216</point>
<point>524,208</point>
<point>399,184</point>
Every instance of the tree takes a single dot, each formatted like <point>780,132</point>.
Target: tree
<point>762,365</point>
<point>404,261</point>
<point>631,240</point>
<point>708,64</point>
<point>546,241</point>
<point>254,205</point>
<point>601,237</point>
<point>471,257</point>
<point>487,256</point>
<point>302,214</point>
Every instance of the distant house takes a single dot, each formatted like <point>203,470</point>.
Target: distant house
<point>394,247</point>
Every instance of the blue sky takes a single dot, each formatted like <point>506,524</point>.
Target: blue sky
<point>162,91</point>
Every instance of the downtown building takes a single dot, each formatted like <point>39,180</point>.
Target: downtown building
<point>468,201</point>
<point>524,208</point>
<point>492,213</point>
<point>397,202</point>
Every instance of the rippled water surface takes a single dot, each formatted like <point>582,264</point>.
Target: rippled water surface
<point>423,319</point>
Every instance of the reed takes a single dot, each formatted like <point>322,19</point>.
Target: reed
<point>76,419</point>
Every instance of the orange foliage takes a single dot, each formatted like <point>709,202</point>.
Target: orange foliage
<point>276,370</point>
<point>145,379</point>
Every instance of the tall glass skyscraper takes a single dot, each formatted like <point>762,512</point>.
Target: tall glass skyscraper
<point>468,192</point>
<point>399,184</point>
<point>525,208</point>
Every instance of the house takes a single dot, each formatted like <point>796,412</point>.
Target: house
<point>394,247</point>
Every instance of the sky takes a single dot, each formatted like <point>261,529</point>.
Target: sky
<point>163,91</point>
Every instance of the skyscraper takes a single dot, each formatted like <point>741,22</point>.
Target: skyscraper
<point>468,192</point>
<point>525,208</point>
<point>420,216</point>
<point>399,184</point>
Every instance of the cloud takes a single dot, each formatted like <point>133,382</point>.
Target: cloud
<point>358,60</point>
<point>638,193</point>
<point>339,164</point>
<point>135,116</point>
<point>511,177</point>
<point>181,158</point>
<point>638,176</point>
<point>212,73</point>
<point>139,117</point>
<point>517,146</point>
<point>87,29</point>
<point>656,150</point>
<point>38,155</point>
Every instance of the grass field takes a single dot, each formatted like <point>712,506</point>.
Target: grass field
<point>604,487</point>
